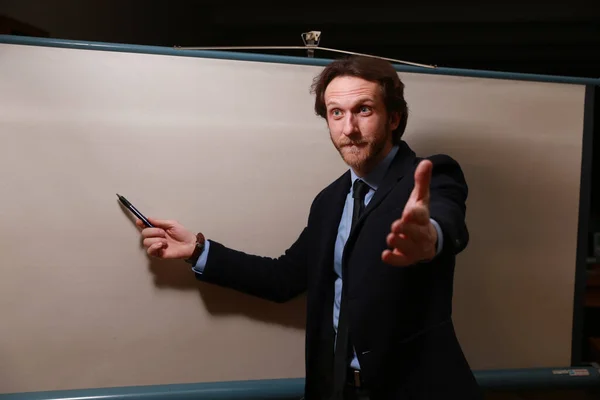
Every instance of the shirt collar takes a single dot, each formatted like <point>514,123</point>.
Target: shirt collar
<point>374,178</point>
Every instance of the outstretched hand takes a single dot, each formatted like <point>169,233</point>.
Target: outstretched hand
<point>168,239</point>
<point>413,237</point>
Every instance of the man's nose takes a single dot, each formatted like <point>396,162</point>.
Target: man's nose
<point>350,126</point>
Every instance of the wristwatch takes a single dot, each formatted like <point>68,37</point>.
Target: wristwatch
<point>200,242</point>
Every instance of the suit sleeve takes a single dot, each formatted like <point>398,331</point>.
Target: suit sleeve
<point>276,279</point>
<point>448,195</point>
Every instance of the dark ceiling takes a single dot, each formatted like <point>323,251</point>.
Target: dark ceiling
<point>559,38</point>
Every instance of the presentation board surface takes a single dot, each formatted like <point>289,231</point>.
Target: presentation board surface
<point>233,148</point>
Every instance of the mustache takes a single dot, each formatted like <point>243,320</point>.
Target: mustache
<point>347,143</point>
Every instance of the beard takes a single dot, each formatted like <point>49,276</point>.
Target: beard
<point>361,155</point>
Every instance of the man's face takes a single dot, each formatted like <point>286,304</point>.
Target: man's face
<point>359,125</point>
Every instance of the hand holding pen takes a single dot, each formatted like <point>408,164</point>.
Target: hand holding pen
<point>163,238</point>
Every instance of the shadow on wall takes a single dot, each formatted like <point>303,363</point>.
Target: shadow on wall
<point>220,301</point>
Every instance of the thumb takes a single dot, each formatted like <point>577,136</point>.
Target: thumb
<point>422,181</point>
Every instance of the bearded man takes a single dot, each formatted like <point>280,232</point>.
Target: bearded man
<point>376,258</point>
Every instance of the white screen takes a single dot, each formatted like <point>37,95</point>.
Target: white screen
<point>234,149</point>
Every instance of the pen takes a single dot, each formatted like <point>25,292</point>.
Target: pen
<point>134,210</point>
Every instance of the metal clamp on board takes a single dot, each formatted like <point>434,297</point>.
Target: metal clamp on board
<point>311,41</point>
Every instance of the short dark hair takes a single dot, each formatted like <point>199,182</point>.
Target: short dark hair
<point>371,69</point>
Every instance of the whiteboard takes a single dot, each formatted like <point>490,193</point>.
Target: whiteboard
<point>233,148</point>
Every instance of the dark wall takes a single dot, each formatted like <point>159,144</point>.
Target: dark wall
<point>557,38</point>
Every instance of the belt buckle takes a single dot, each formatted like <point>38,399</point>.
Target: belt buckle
<point>357,378</point>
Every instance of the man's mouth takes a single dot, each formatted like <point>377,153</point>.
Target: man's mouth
<point>354,144</point>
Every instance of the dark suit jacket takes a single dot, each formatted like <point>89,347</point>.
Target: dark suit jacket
<point>400,317</point>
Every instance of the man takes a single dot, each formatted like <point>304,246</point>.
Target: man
<point>379,288</point>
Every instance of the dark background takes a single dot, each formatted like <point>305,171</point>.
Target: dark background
<point>540,37</point>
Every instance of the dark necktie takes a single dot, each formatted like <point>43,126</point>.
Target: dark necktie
<point>343,348</point>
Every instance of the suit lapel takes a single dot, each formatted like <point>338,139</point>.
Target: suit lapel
<point>334,206</point>
<point>402,163</point>
<point>331,214</point>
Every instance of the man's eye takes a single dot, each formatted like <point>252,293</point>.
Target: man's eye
<point>365,109</point>
<point>336,113</point>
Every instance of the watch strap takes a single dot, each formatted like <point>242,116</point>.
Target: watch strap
<point>200,242</point>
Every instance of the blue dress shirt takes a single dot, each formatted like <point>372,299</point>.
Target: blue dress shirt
<point>373,179</point>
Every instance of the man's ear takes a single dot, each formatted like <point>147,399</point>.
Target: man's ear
<point>394,120</point>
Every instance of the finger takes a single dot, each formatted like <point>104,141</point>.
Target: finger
<point>154,232</point>
<point>423,180</point>
<point>395,258</point>
<point>416,233</point>
<point>402,244</point>
<point>155,249</point>
<point>149,242</point>
<point>416,214</point>
<point>162,223</point>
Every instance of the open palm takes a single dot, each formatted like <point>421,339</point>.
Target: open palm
<point>413,237</point>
